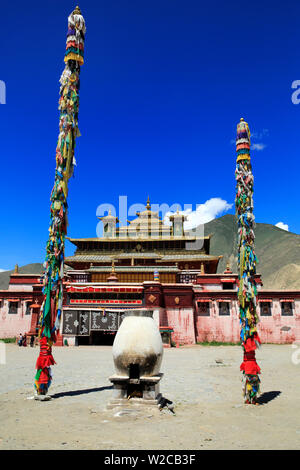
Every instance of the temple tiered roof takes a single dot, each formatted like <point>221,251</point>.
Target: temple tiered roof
<point>145,242</point>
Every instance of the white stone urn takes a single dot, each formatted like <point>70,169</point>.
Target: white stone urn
<point>138,345</point>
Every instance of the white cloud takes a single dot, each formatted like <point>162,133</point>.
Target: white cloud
<point>2,270</point>
<point>258,146</point>
<point>204,212</point>
<point>260,135</point>
<point>282,226</point>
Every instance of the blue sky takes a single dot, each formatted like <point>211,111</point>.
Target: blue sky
<point>163,86</point>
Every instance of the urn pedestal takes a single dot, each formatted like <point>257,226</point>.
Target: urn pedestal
<point>137,355</point>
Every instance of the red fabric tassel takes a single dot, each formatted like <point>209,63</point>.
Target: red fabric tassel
<point>44,377</point>
<point>74,44</point>
<point>250,343</point>
<point>45,361</point>
<point>45,358</point>
<point>250,368</point>
<point>244,145</point>
<point>249,365</point>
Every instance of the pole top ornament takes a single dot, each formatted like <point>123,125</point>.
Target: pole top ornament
<point>243,141</point>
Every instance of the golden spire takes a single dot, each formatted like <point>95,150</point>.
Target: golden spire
<point>77,11</point>
<point>16,269</point>
<point>228,270</point>
<point>148,206</point>
<point>113,276</point>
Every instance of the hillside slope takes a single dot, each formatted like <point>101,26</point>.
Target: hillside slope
<point>277,250</point>
<point>34,268</point>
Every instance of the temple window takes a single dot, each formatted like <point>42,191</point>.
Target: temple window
<point>228,286</point>
<point>27,311</point>
<point>203,309</point>
<point>287,308</point>
<point>224,308</point>
<point>13,307</point>
<point>265,309</point>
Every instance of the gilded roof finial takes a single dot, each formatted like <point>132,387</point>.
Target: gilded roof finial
<point>16,269</point>
<point>148,206</point>
<point>242,119</point>
<point>228,270</point>
<point>77,11</point>
<point>113,276</point>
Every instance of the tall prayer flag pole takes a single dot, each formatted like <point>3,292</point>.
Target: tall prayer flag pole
<point>247,293</point>
<point>51,309</point>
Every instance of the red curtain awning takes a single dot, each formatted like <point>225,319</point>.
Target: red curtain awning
<point>12,300</point>
<point>204,300</point>
<point>265,300</point>
<point>286,300</point>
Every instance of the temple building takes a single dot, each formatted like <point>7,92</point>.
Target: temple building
<point>138,250</point>
<point>148,264</point>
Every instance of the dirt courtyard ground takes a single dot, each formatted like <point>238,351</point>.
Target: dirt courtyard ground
<point>203,382</point>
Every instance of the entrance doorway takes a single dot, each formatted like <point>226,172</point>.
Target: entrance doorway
<point>97,338</point>
<point>102,338</point>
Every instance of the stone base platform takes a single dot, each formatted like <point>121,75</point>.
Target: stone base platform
<point>140,391</point>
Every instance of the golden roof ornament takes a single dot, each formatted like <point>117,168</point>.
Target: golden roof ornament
<point>77,11</point>
<point>113,276</point>
<point>16,269</point>
<point>228,270</point>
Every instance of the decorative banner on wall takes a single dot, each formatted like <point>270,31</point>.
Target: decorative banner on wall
<point>51,309</point>
<point>82,322</point>
<point>247,293</point>
<point>103,320</point>
<point>70,322</point>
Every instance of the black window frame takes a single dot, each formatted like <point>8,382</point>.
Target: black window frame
<point>208,309</point>
<point>261,305</point>
<point>224,314</point>
<point>292,309</point>
<point>28,309</point>
<point>10,307</point>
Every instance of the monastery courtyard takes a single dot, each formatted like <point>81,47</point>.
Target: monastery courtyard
<point>203,382</point>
